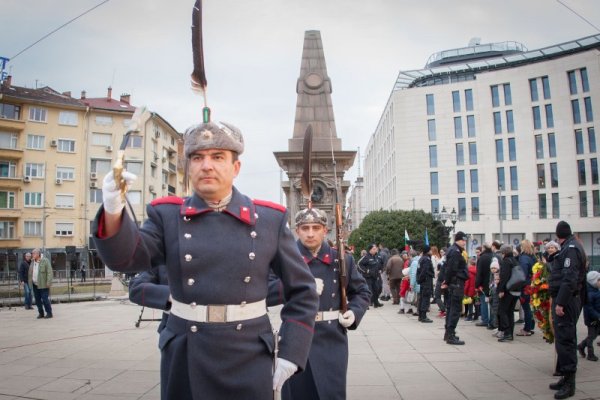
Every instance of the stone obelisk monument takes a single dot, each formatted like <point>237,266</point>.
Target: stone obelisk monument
<point>314,107</point>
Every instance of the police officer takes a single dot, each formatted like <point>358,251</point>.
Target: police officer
<point>326,369</point>
<point>218,246</point>
<point>371,266</point>
<point>455,276</point>
<point>567,285</point>
<point>151,289</point>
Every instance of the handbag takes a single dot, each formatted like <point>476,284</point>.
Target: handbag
<point>517,279</point>
<point>410,297</point>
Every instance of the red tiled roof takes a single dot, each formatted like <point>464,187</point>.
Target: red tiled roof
<point>105,103</point>
<point>43,95</point>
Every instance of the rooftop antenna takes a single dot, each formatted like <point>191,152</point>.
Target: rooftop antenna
<point>3,62</point>
<point>475,41</point>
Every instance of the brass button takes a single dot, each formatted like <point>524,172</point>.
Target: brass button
<point>191,282</point>
<point>252,256</point>
<point>335,281</point>
<point>255,215</point>
<point>186,219</point>
<point>188,257</point>
<point>247,279</point>
<point>238,327</point>
<point>253,234</point>
<point>193,304</point>
<point>194,328</point>
<point>187,236</point>
<point>332,294</point>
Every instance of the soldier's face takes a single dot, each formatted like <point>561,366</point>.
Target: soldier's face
<point>311,235</point>
<point>212,173</point>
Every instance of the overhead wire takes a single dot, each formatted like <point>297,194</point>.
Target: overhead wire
<point>579,15</point>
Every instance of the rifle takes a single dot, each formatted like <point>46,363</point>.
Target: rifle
<point>341,257</point>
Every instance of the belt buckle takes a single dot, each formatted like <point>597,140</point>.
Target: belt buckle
<point>216,313</point>
<point>319,317</point>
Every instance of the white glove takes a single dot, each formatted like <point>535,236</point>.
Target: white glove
<point>347,319</point>
<point>111,195</point>
<point>320,285</point>
<point>283,370</point>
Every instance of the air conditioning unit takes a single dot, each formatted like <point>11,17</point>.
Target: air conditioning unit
<point>26,179</point>
<point>58,181</point>
<point>93,176</point>
<point>151,188</point>
<point>93,185</point>
<point>53,143</point>
<point>108,149</point>
<point>164,185</point>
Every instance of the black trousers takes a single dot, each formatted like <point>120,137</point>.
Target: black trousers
<point>506,314</point>
<point>425,299</point>
<point>456,292</point>
<point>565,335</point>
<point>375,288</point>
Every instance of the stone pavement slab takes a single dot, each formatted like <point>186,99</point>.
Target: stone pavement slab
<point>93,351</point>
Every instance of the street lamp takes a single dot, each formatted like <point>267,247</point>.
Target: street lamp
<point>444,217</point>
<point>453,218</point>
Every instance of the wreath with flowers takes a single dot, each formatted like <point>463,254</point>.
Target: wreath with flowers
<point>540,300</point>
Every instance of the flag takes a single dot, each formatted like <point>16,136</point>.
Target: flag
<point>426,238</point>
<point>406,239</point>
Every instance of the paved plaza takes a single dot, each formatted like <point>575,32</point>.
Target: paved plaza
<point>93,351</point>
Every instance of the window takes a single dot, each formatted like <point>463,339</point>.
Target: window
<point>502,207</point>
<point>104,120</point>
<point>514,179</point>
<point>63,229</point>
<point>471,125</point>
<point>546,87</point>
<point>8,140</point>
<point>541,176</point>
<point>583,212</point>
<point>135,142</point>
<point>497,123</point>
<point>36,142</point>
<point>555,206</point>
<point>474,181</point>
<point>575,111</point>
<point>501,178</point>
<point>67,118</point>
<point>572,82</point>
<point>581,172</point>
<point>499,151</point>
<point>7,230</point>
<point>100,166</point>
<point>537,119</point>
<point>460,181</point>
<point>32,228</point>
<point>435,205</point>
<point>596,203</point>
<point>134,197</point>
<point>533,90</point>
<point>585,84</point>
<point>33,199</point>
<point>430,104</point>
<point>153,171</point>
<point>462,209</point>
<point>510,123</point>
<point>165,177</point>
<point>34,170</point>
<point>514,206</point>
<point>134,167</point>
<point>512,150</point>
<point>542,208</point>
<point>96,196</point>
<point>456,101</point>
<point>8,169</point>
<point>551,145</point>
<point>65,201</point>
<point>475,208</point>
<point>65,173</point>
<point>460,154</point>
<point>553,175</point>
<point>432,157</point>
<point>579,141</point>
<point>431,129</point>
<point>507,94</point>
<point>469,99</point>
<point>495,96</point>
<point>433,179</point>
<point>458,127</point>
<point>7,199</point>
<point>66,146</point>
<point>592,139</point>
<point>10,111</point>
<point>539,147</point>
<point>101,139</point>
<point>594,170</point>
<point>473,153</point>
<point>37,114</point>
<point>589,113</point>
<point>549,116</point>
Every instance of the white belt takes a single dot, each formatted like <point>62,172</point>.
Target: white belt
<point>327,315</point>
<point>218,313</point>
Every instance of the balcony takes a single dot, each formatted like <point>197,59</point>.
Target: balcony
<point>12,124</point>
<point>11,153</point>
<point>11,213</point>
<point>172,168</point>
<point>10,182</point>
<point>11,242</point>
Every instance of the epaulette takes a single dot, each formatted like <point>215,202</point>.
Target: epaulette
<point>167,200</point>
<point>269,204</point>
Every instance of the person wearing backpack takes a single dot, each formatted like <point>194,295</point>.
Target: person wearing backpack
<point>508,298</point>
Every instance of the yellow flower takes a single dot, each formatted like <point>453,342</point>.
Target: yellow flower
<point>537,282</point>
<point>536,302</point>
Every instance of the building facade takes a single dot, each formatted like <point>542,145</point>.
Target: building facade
<point>503,135</point>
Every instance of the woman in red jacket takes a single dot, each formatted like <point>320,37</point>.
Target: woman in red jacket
<point>470,291</point>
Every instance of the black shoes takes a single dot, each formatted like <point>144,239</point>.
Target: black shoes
<point>48,316</point>
<point>565,387</point>
<point>378,305</point>
<point>557,385</point>
<point>401,311</point>
<point>581,348</point>
<point>40,316</point>
<point>506,338</point>
<point>481,324</point>
<point>592,357</point>
<point>425,320</point>
<point>455,341</point>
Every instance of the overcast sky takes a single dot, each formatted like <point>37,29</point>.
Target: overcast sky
<point>253,50</point>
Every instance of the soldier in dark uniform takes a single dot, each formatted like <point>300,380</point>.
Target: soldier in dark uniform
<point>151,289</point>
<point>567,288</point>
<point>455,276</point>
<point>218,247</point>
<point>370,266</point>
<point>325,373</point>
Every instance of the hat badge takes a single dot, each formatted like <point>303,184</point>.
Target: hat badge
<point>206,134</point>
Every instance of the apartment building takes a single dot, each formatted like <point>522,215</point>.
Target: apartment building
<point>503,135</point>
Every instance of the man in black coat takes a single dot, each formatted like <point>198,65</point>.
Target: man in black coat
<point>24,280</point>
<point>425,275</point>
<point>151,289</point>
<point>482,282</point>
<point>455,276</point>
<point>567,288</point>
<point>370,266</point>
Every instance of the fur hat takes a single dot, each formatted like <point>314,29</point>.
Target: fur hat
<point>460,235</point>
<point>311,216</point>
<point>213,136</point>
<point>593,277</point>
<point>563,230</point>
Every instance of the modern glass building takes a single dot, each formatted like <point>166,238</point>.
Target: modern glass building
<point>503,135</point>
